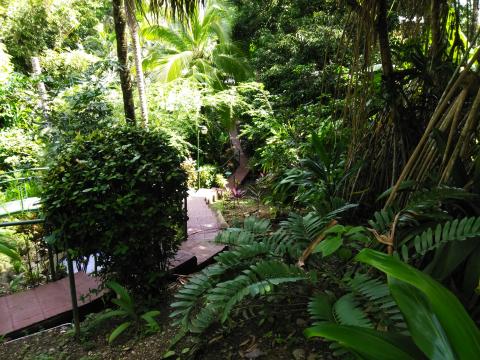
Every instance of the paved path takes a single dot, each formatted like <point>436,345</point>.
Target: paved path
<point>16,206</point>
<point>203,226</point>
<point>27,308</point>
<point>24,309</point>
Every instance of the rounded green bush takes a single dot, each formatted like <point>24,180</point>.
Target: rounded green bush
<point>119,194</point>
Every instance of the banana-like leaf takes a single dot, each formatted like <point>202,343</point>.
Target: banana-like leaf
<point>7,250</point>
<point>118,331</point>
<point>111,314</point>
<point>123,300</point>
<point>369,344</point>
<point>463,334</point>
<point>423,324</point>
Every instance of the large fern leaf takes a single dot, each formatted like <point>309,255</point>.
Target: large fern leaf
<point>347,311</point>
<point>259,279</point>
<point>375,296</point>
<point>456,230</point>
<point>189,297</point>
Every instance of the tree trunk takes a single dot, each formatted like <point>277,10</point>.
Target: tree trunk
<point>137,52</point>
<point>122,54</point>
<point>435,27</point>
<point>474,27</point>
<point>37,71</point>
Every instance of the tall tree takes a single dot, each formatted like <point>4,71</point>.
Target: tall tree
<point>130,9</point>
<point>122,53</point>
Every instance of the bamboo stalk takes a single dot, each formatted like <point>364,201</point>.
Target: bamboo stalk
<point>453,128</point>
<point>441,107</point>
<point>469,124</point>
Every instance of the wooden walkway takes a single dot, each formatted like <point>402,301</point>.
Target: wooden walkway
<point>36,306</point>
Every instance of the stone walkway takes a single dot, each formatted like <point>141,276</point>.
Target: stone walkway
<point>23,310</point>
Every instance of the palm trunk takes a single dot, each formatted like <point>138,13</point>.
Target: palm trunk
<point>435,26</point>
<point>122,54</point>
<point>137,52</point>
<point>474,29</point>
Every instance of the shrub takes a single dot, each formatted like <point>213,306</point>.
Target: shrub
<point>207,175</point>
<point>119,194</point>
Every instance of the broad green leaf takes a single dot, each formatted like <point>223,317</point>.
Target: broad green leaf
<point>423,324</point>
<point>462,332</point>
<point>168,354</point>
<point>118,330</point>
<point>112,314</point>
<point>370,344</point>
<point>329,245</point>
<point>8,251</point>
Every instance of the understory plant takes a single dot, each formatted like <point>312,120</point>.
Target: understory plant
<point>127,310</point>
<point>358,305</point>
<point>258,261</point>
<point>437,324</point>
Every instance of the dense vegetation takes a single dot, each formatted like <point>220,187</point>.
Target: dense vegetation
<point>360,122</point>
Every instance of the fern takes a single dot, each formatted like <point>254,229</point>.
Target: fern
<point>375,293</point>
<point>425,201</point>
<point>259,279</point>
<point>252,267</point>
<point>456,230</point>
<point>235,237</point>
<point>257,226</point>
<point>367,304</point>
<point>424,204</point>
<point>297,232</point>
<point>190,295</point>
<point>347,311</point>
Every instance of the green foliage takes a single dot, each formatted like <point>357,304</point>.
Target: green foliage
<point>6,67</point>
<point>31,27</point>
<point>427,235</point>
<point>433,238</point>
<point>258,260</point>
<point>252,267</point>
<point>288,43</point>
<point>199,48</point>
<point>8,250</point>
<point>18,102</point>
<point>438,324</point>
<point>83,107</point>
<point>19,149</point>
<point>119,194</point>
<point>127,309</point>
<point>63,68</point>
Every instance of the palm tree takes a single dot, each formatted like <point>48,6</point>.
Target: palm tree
<point>122,54</point>
<point>199,47</point>
<point>130,9</point>
<point>175,8</point>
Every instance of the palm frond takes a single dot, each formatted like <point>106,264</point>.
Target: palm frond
<point>165,35</point>
<point>170,8</point>
<point>172,67</point>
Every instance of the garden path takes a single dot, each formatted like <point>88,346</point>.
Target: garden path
<point>41,305</point>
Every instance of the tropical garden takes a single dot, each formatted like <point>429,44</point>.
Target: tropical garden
<point>353,230</point>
